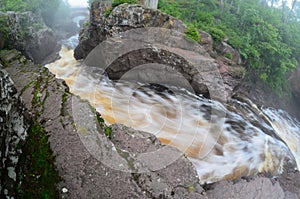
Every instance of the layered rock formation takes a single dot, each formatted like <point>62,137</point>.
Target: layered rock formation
<point>122,18</point>
<point>13,132</point>
<point>27,33</point>
<point>133,36</point>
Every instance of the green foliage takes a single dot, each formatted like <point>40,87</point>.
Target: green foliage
<point>228,55</point>
<point>86,23</point>
<point>268,38</point>
<point>192,32</point>
<point>107,12</point>
<point>217,34</point>
<point>49,9</point>
<point>170,7</point>
<point>15,5</point>
<point>118,2</point>
<point>38,174</point>
<point>108,132</point>
<point>4,28</point>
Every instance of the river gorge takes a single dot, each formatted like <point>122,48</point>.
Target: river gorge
<point>133,108</point>
<point>223,141</point>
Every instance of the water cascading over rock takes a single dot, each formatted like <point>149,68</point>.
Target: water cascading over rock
<point>155,38</point>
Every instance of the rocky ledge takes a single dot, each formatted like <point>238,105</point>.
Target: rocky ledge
<point>97,161</point>
<point>73,126</point>
<point>14,123</point>
<point>27,33</point>
<point>142,44</point>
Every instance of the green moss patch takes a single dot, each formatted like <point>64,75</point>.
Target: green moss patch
<point>37,171</point>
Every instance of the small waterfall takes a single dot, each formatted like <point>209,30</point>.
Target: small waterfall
<point>71,42</point>
<point>78,19</point>
<point>222,141</point>
<point>287,128</point>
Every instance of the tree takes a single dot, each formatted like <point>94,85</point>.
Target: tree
<point>47,8</point>
<point>267,37</point>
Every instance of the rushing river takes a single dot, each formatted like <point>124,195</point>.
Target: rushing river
<point>222,141</point>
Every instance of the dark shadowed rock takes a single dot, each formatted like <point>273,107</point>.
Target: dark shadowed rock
<point>2,41</point>
<point>262,95</point>
<point>27,33</point>
<point>290,183</point>
<point>14,124</point>
<point>295,83</point>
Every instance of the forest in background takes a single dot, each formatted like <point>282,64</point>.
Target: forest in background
<point>265,32</point>
<point>50,10</point>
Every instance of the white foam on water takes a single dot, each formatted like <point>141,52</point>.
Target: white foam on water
<point>223,142</point>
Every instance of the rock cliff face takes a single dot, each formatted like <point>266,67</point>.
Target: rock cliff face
<point>27,33</point>
<point>122,18</point>
<point>295,84</point>
<point>133,36</point>
<point>262,95</point>
<point>13,132</point>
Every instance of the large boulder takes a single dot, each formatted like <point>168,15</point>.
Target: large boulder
<point>27,33</point>
<point>162,57</point>
<point>206,41</point>
<point>13,132</point>
<point>133,36</point>
<point>228,51</point>
<point>121,19</point>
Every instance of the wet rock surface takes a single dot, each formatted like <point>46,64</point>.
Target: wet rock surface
<point>257,187</point>
<point>83,174</point>
<point>14,123</point>
<point>146,45</point>
<point>76,133</point>
<point>262,95</point>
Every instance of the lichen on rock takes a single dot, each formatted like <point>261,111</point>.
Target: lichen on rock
<point>13,127</point>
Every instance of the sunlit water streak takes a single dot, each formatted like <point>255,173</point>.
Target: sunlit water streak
<point>222,141</point>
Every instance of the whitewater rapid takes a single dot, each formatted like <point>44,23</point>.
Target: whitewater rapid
<point>222,141</point>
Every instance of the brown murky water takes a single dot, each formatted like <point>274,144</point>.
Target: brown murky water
<point>223,142</point>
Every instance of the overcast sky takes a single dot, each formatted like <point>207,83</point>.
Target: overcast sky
<point>78,3</point>
<point>83,3</point>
